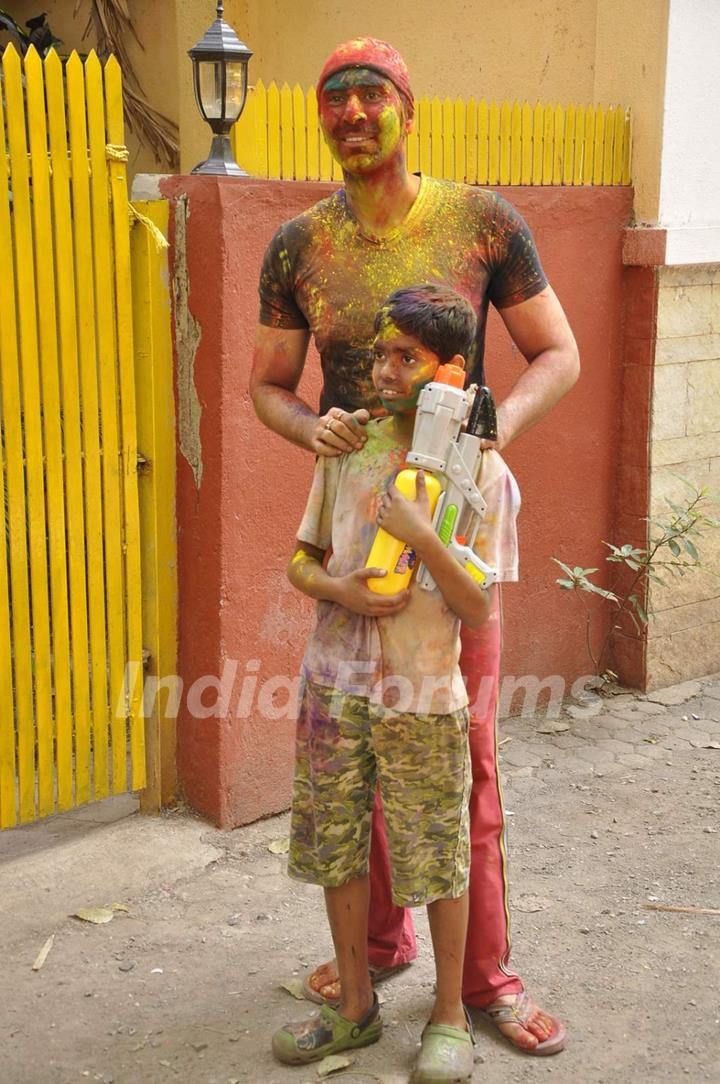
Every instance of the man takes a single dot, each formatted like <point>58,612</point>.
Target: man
<point>326,273</point>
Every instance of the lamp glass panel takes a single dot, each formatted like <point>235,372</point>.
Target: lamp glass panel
<point>236,75</point>
<point>210,84</point>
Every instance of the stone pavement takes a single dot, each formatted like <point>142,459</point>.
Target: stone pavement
<point>613,813</point>
<point>611,734</point>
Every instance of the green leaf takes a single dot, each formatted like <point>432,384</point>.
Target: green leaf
<point>595,590</point>
<point>689,548</point>
<point>568,585</point>
<point>632,564</point>
<point>674,547</point>
<point>566,568</point>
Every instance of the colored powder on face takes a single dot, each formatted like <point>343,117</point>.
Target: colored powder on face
<point>421,375</point>
<point>390,129</point>
<point>355,77</point>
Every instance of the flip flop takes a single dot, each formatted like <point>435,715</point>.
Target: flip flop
<point>520,1013</point>
<point>377,975</point>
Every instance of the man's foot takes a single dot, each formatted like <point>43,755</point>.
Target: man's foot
<point>527,1026</point>
<point>323,984</point>
<point>324,1034</point>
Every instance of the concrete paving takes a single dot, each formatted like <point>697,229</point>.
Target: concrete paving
<point>612,809</point>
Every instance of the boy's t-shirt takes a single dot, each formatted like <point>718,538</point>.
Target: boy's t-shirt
<point>409,660</point>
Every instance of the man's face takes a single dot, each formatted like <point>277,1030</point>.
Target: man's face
<point>362,118</point>
<point>402,367</point>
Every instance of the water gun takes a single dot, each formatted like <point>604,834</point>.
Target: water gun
<point>451,459</point>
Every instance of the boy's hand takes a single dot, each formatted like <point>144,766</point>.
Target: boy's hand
<point>339,431</point>
<point>353,593</point>
<point>410,521</point>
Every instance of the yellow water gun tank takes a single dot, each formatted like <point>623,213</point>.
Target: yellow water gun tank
<point>389,552</point>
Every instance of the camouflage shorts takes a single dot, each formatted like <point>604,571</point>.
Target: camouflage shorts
<point>345,745</point>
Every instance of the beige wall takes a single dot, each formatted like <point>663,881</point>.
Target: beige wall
<point>606,51</point>
<point>584,51</point>
<point>156,65</point>
<point>684,633</point>
<point>630,56</point>
<point>493,48</point>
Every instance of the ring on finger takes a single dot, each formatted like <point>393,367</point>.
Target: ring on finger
<point>328,424</point>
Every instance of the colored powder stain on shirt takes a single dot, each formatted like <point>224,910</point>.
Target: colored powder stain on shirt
<point>417,648</point>
<point>320,272</point>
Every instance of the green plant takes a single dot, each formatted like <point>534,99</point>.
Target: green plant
<point>671,551</point>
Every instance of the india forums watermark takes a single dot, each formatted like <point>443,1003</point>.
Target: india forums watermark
<point>239,692</point>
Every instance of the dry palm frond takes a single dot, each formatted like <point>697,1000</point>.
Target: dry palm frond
<point>111,23</point>
<point>157,130</point>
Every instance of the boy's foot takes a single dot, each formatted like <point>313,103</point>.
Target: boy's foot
<point>446,1055</point>
<point>528,1027</point>
<point>324,1034</point>
<point>323,984</point>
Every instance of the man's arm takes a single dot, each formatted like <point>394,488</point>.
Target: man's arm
<point>278,363</point>
<point>540,330</point>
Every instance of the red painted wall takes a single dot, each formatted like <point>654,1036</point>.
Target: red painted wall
<point>237,530</point>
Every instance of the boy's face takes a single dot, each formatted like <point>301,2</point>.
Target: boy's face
<point>402,367</point>
<point>362,118</point>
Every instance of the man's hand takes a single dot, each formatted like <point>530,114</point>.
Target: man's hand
<point>410,521</point>
<point>338,432</point>
<point>353,593</point>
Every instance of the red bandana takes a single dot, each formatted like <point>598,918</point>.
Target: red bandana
<point>369,53</point>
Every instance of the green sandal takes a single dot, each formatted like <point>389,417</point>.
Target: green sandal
<point>446,1055</point>
<point>326,1033</point>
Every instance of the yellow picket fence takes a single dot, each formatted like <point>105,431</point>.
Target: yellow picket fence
<point>478,142</point>
<point>71,724</point>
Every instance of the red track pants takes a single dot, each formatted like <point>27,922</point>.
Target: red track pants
<point>391,936</point>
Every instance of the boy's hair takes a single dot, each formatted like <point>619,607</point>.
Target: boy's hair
<point>440,318</point>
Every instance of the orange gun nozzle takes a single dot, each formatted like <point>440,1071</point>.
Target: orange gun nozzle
<point>450,374</point>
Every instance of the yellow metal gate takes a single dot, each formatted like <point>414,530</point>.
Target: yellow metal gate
<point>71,622</point>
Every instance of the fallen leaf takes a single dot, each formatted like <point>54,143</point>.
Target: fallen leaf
<point>97,915</point>
<point>43,953</point>
<point>711,745</point>
<point>554,728</point>
<point>332,1064</point>
<point>279,846</point>
<point>294,987</point>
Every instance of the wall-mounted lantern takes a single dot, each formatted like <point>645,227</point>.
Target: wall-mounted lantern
<point>220,77</point>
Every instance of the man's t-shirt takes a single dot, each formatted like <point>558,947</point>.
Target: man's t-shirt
<point>407,660</point>
<point>320,272</point>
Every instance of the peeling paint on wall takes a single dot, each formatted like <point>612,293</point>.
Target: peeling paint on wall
<point>187,340</point>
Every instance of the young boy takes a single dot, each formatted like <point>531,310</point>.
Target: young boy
<point>383,699</point>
